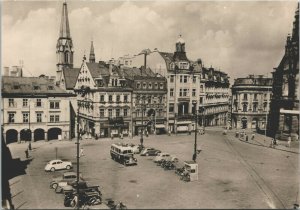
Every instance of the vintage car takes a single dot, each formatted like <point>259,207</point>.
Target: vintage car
<point>58,165</point>
<point>150,152</point>
<point>66,179</point>
<point>165,156</point>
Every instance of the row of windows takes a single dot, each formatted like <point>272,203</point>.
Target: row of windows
<point>110,98</point>
<point>183,79</point>
<point>245,96</point>
<point>116,112</point>
<point>11,117</point>
<point>140,113</point>
<point>149,85</point>
<point>254,107</point>
<point>38,103</point>
<point>149,100</point>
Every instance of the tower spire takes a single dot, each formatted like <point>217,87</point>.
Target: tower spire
<point>64,31</point>
<point>92,53</point>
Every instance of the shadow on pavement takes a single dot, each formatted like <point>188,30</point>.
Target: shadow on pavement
<point>10,168</point>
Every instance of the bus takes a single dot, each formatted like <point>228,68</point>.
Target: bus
<point>123,154</point>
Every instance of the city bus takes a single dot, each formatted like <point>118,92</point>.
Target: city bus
<point>123,154</point>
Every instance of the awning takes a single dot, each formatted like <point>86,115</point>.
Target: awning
<point>284,111</point>
<point>160,126</point>
<point>183,122</point>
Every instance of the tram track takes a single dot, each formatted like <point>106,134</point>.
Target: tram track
<point>273,200</point>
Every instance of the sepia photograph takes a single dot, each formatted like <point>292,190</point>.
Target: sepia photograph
<point>143,104</point>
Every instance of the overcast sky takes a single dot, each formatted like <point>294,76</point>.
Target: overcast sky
<point>238,37</point>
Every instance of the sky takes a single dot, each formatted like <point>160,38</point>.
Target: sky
<point>237,37</point>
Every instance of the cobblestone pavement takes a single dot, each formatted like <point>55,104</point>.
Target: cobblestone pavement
<point>232,173</point>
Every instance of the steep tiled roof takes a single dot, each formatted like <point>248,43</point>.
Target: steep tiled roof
<point>71,77</point>
<point>98,69</point>
<point>168,57</point>
<point>30,86</point>
<point>136,73</point>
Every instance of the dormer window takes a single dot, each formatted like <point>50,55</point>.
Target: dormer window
<point>138,85</point>
<point>144,85</point>
<point>156,85</point>
<point>16,87</point>
<point>161,86</point>
<point>150,85</point>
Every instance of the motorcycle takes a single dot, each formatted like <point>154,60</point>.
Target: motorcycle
<point>169,165</point>
<point>159,163</point>
<point>179,171</point>
<point>85,198</point>
<point>185,176</point>
<point>113,206</point>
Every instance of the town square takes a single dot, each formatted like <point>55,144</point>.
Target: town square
<point>150,105</point>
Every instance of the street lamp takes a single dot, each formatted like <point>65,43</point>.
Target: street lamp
<point>196,128</point>
<point>78,137</point>
<point>142,137</point>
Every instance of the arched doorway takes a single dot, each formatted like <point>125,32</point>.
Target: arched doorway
<point>39,134</point>
<point>244,122</point>
<point>11,136</point>
<point>53,133</point>
<point>25,135</point>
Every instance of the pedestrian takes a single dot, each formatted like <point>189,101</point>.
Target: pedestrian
<point>121,135</point>
<point>81,152</point>
<point>111,136</point>
<point>246,137</point>
<point>29,146</point>
<point>289,141</point>
<point>147,134</point>
<point>27,153</point>
<point>253,136</point>
<point>272,143</point>
<point>169,132</point>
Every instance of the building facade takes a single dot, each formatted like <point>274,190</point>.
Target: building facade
<point>251,97</point>
<point>149,100</point>
<point>216,96</point>
<point>186,86</point>
<point>35,109</point>
<point>284,112</point>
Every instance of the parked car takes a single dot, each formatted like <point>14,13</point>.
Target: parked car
<point>72,187</point>
<point>135,148</point>
<point>165,156</point>
<point>150,152</point>
<point>58,165</point>
<point>66,179</point>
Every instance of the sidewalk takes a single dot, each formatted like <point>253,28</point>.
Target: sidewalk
<point>265,141</point>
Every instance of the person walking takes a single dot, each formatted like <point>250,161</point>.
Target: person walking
<point>289,141</point>
<point>26,153</point>
<point>246,137</point>
<point>253,136</point>
<point>29,146</point>
<point>81,152</point>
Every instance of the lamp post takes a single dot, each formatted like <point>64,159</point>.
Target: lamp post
<point>196,129</point>
<point>142,133</point>
<point>78,137</point>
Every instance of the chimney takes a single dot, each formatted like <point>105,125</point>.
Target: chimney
<point>110,66</point>
<point>6,71</point>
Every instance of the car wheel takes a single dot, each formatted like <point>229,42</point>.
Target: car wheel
<point>54,185</point>
<point>68,167</point>
<point>52,169</point>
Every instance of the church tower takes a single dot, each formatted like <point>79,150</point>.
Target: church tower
<point>64,46</point>
<point>92,54</point>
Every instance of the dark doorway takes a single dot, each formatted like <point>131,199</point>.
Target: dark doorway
<point>25,135</point>
<point>53,133</point>
<point>11,136</point>
<point>183,108</point>
<point>244,123</point>
<point>39,134</point>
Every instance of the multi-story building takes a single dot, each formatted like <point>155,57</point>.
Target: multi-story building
<point>215,100</point>
<point>35,109</point>
<point>284,112</point>
<point>104,100</point>
<point>149,97</point>
<point>186,87</point>
<point>250,102</point>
